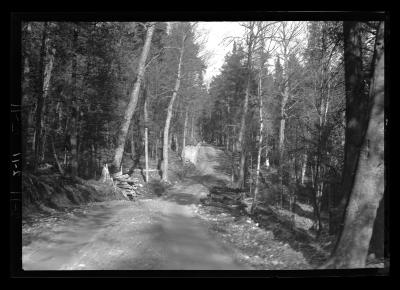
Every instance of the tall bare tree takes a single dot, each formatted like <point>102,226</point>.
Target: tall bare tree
<point>169,110</point>
<point>46,68</point>
<point>250,42</point>
<point>287,38</point>
<point>74,123</point>
<point>119,151</point>
<point>184,133</point>
<point>266,34</point>
<point>146,135</point>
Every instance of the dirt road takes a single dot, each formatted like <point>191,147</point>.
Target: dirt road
<point>161,233</point>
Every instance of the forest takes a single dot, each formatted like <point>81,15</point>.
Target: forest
<point>290,128</point>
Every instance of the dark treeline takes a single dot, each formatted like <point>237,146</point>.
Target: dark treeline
<point>78,79</point>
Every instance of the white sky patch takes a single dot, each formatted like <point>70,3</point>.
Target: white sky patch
<point>214,45</point>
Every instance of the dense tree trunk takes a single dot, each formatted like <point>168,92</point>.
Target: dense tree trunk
<point>377,244</point>
<point>93,164</point>
<point>251,174</point>
<point>170,141</point>
<point>133,149</point>
<point>304,168</point>
<point>319,170</point>
<point>282,141</point>
<point>53,148</point>
<point>146,142</point>
<point>176,143</point>
<point>80,152</point>
<point>240,182</point>
<point>156,148</point>
<point>282,133</point>
<point>169,112</point>
<point>26,110</point>
<point>369,184</point>
<point>257,185</point>
<point>43,137</point>
<point>242,136</point>
<point>46,68</point>
<point>119,151</point>
<point>137,139</point>
<point>184,134</point>
<point>285,98</point>
<point>356,107</point>
<point>75,109</point>
<point>317,191</point>
<point>267,161</point>
<point>227,143</point>
<point>192,131</point>
<point>260,140</point>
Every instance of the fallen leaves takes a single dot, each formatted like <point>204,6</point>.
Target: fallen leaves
<point>257,247</point>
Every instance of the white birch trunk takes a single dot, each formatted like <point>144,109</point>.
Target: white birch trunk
<point>304,168</point>
<point>184,135</point>
<point>146,142</point>
<point>119,151</point>
<point>256,190</point>
<point>169,113</point>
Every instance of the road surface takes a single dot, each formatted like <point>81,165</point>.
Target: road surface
<point>150,234</point>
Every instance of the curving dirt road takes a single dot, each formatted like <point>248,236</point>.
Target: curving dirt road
<point>162,233</point>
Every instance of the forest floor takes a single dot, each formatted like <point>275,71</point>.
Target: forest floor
<point>169,229</point>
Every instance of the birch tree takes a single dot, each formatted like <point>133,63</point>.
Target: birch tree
<point>184,134</point>
<point>250,43</point>
<point>146,135</point>
<point>133,100</point>
<point>267,32</point>
<point>288,40</point>
<point>170,106</point>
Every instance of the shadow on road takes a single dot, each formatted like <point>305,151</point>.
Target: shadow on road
<point>181,198</point>
<point>56,244</point>
<point>185,244</point>
<point>208,180</point>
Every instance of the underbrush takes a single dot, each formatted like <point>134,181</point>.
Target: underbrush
<point>52,192</point>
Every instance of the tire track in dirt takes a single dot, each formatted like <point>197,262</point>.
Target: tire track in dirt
<point>161,233</point>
